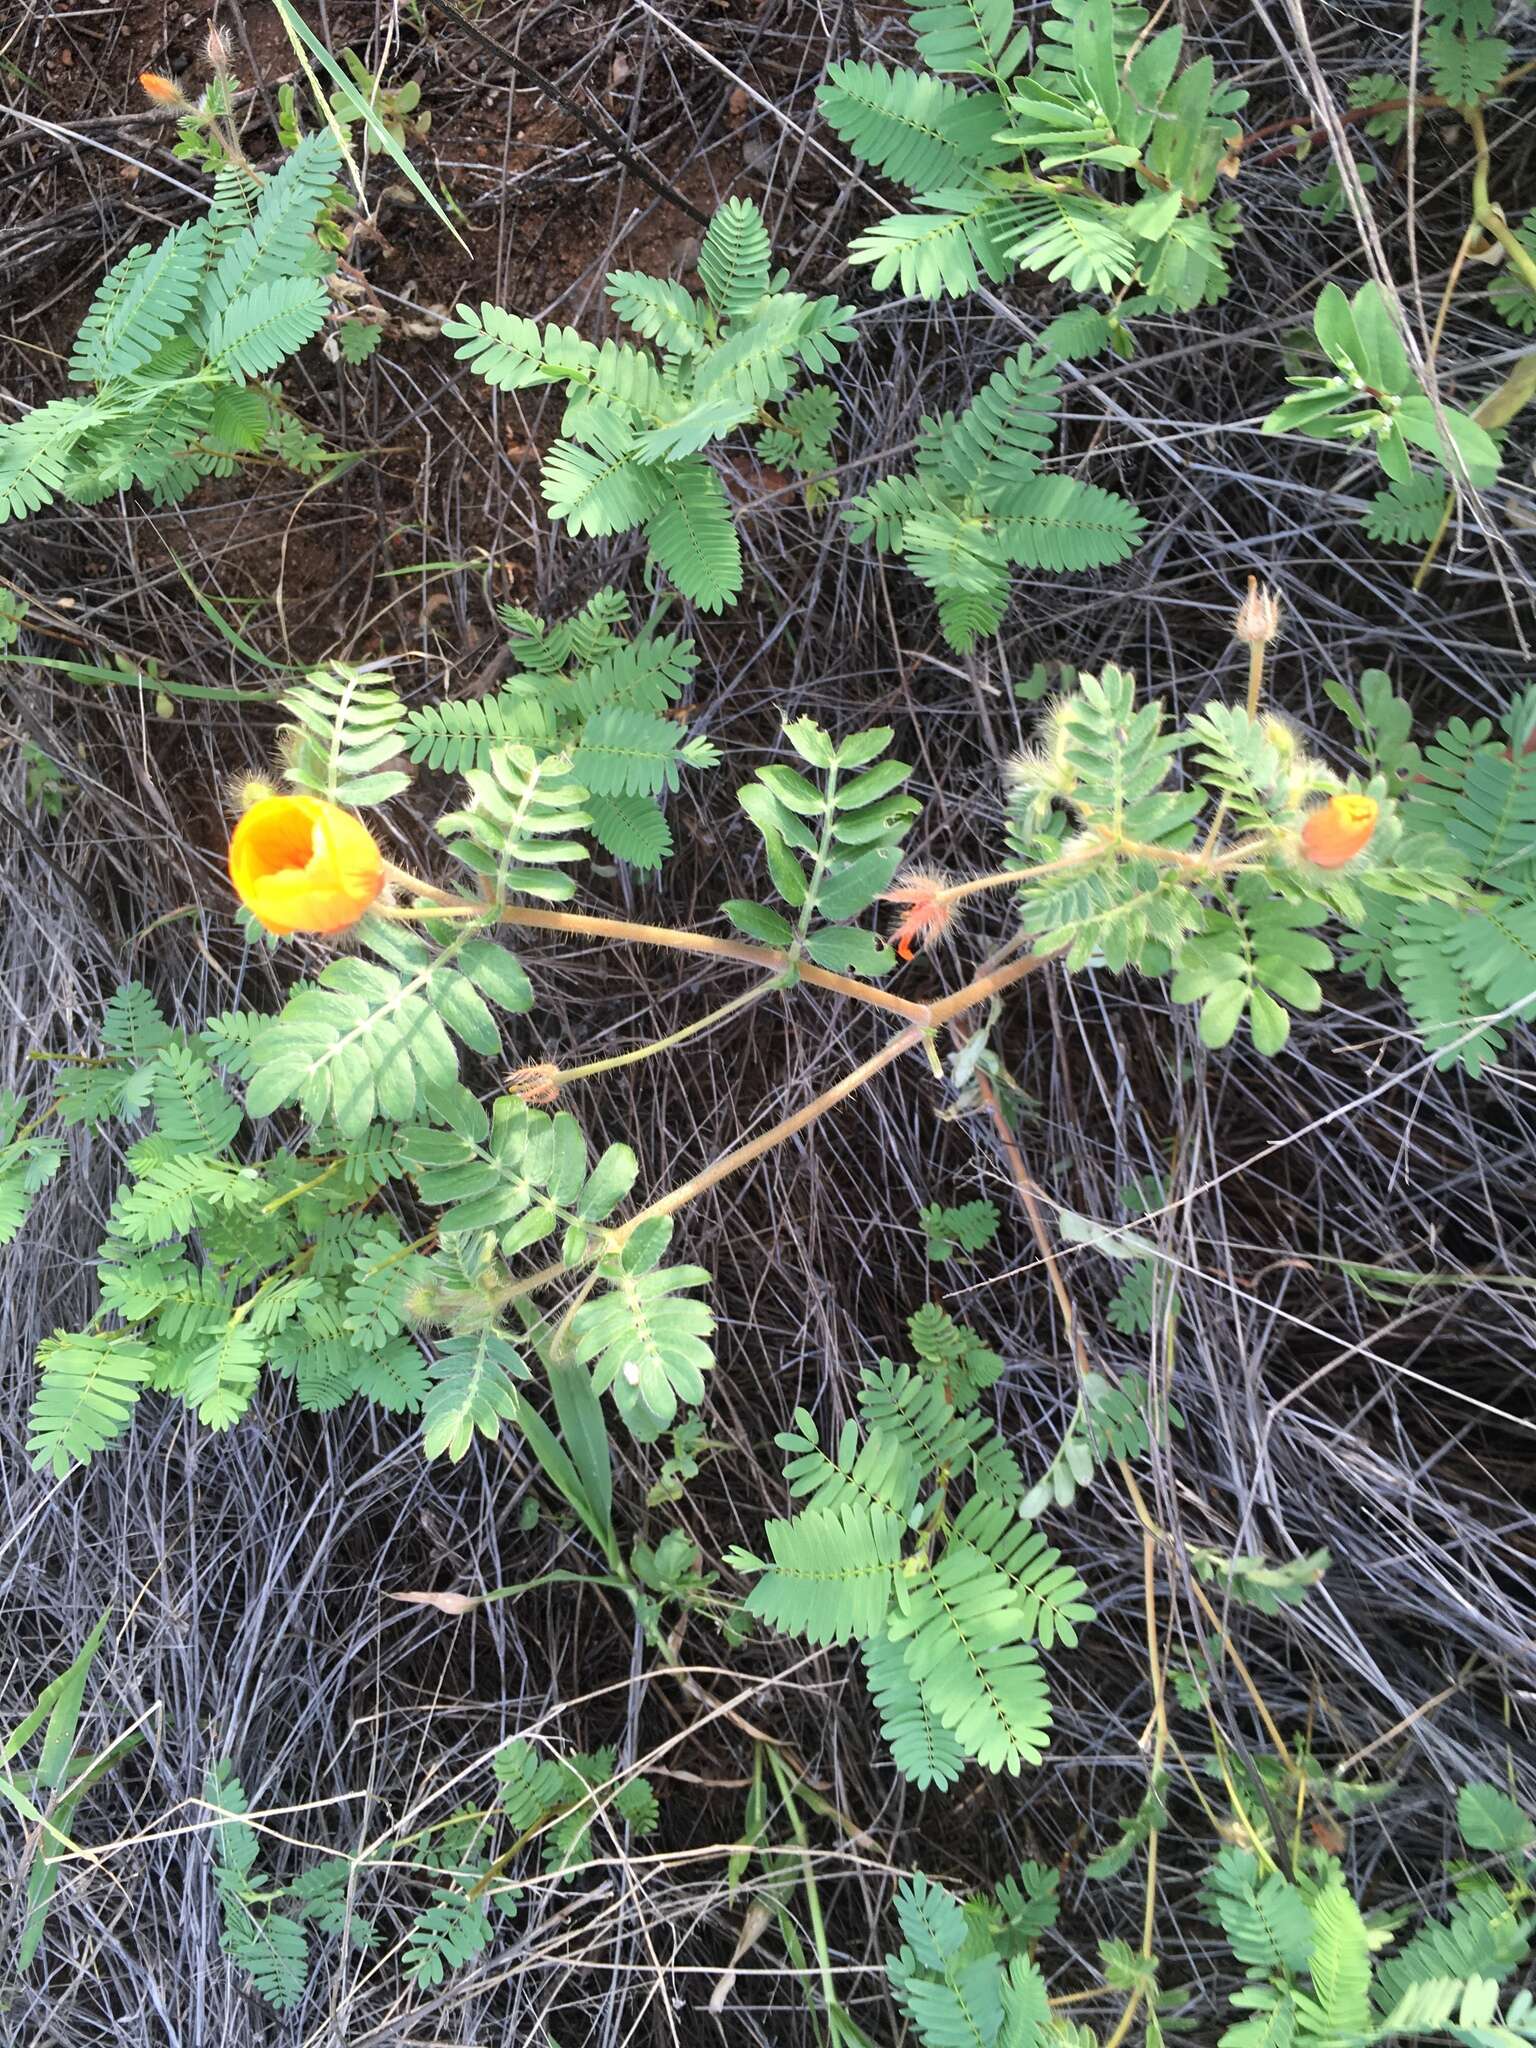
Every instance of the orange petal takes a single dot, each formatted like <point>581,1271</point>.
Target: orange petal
<point>300,864</point>
<point>1336,831</point>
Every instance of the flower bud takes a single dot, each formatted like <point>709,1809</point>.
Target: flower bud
<point>244,792</point>
<point>928,911</point>
<point>1258,616</point>
<point>538,1085</point>
<point>163,91</point>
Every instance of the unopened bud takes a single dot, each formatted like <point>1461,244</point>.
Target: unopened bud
<point>245,791</point>
<point>421,1303</point>
<point>538,1086</point>
<point>218,51</point>
<point>163,91</point>
<point>1258,616</point>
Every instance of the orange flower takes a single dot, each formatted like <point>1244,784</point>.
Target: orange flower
<point>163,91</point>
<point>928,913</point>
<point>1336,831</point>
<point>302,865</point>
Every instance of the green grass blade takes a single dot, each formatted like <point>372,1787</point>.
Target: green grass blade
<point>306,45</point>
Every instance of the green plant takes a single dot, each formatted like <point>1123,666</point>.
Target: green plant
<point>636,422</point>
<point>1467,71</point>
<point>393,108</point>
<point>1360,337</point>
<point>832,850</point>
<point>27,1162</point>
<point>1306,1949</point>
<point>975,503</point>
<point>969,1228</point>
<point>44,1794</point>
<point>599,689</point>
<point>1306,1958</point>
<point>461,1863</point>
<point>1213,881</point>
<point>178,348</point>
<point>951,1600</point>
<point>227,1257</point>
<point>1468,807</point>
<point>1095,166</point>
<point>47,784</point>
<point>404,1205</point>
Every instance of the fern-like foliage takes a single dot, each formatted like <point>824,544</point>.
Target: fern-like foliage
<point>513,830</point>
<point>952,1604</point>
<point>969,1228</point>
<point>976,504</point>
<point>636,423</point>
<point>176,346</point>
<point>960,1976</point>
<point>347,723</point>
<point>86,1395</point>
<point>644,1336</point>
<point>1219,878</point>
<point>368,1041</point>
<point>269,1945</point>
<point>1309,1965</point>
<point>1467,953</point>
<point>1464,61</point>
<point>599,693</point>
<point>1095,166</point>
<point>27,1163</point>
<point>216,1270</point>
<point>1406,514</point>
<point>1302,1968</point>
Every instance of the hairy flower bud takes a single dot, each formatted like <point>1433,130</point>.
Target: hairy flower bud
<point>243,792</point>
<point>163,91</point>
<point>927,915</point>
<point>538,1085</point>
<point>1258,616</point>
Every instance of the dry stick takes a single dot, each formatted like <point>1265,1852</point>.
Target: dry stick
<point>1425,102</point>
<point>1029,1195</point>
<point>743,1155</point>
<point>580,924</point>
<point>755,1148</point>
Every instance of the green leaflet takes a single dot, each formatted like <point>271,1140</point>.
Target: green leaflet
<point>832,847</point>
<point>983,150</point>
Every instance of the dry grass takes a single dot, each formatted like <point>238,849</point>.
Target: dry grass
<point>246,1576</point>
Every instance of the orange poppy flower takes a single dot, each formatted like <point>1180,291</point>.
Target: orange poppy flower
<point>300,864</point>
<point>928,913</point>
<point>1336,831</point>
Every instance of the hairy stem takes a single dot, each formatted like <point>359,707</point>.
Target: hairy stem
<point>590,1068</point>
<point>580,924</point>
